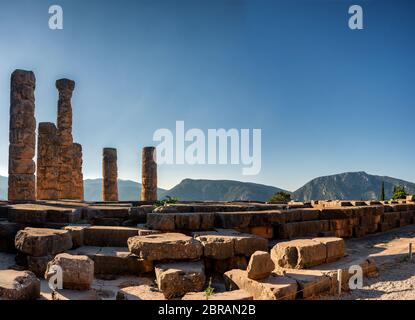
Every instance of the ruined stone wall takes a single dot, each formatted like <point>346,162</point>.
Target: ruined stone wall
<point>47,173</point>
<point>65,140</point>
<point>110,175</point>
<point>149,174</point>
<point>77,175</point>
<point>22,137</point>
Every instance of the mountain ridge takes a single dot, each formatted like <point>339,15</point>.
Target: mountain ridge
<point>342,186</point>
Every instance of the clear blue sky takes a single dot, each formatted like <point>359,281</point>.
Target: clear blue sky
<point>328,99</point>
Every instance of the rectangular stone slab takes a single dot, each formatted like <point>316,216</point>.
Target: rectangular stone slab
<point>115,260</point>
<point>335,248</point>
<point>234,295</point>
<point>178,278</point>
<point>108,236</point>
<point>272,288</point>
<point>143,292</point>
<point>18,285</point>
<point>43,242</point>
<point>165,246</point>
<point>311,283</point>
<point>299,254</point>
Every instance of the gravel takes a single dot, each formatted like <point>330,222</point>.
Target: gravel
<point>395,282</point>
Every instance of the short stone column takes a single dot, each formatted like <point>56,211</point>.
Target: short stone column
<point>65,88</point>
<point>22,137</point>
<point>77,175</point>
<point>47,172</point>
<point>109,175</point>
<point>149,174</point>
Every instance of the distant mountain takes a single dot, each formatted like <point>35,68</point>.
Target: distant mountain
<point>350,186</point>
<point>220,190</point>
<point>344,186</point>
<point>127,190</point>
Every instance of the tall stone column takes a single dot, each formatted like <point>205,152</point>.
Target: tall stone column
<point>77,176</point>
<point>109,174</point>
<point>149,174</point>
<point>22,137</point>
<point>65,88</point>
<point>47,172</point>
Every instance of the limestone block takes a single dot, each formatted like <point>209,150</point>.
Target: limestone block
<point>143,292</point>
<point>43,242</point>
<point>179,278</point>
<point>272,288</point>
<point>78,271</point>
<point>175,246</point>
<point>108,236</point>
<point>299,254</point>
<point>234,295</point>
<point>260,265</point>
<point>335,248</point>
<point>19,285</point>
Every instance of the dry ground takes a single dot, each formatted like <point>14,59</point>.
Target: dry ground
<point>395,282</point>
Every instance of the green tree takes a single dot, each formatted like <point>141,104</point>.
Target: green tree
<point>399,192</point>
<point>382,192</point>
<point>280,196</point>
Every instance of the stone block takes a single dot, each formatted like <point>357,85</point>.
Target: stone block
<point>217,246</point>
<point>299,254</point>
<point>272,288</point>
<point>78,271</point>
<point>77,234</point>
<point>311,283</point>
<point>18,285</point>
<point>335,248</point>
<point>115,261</point>
<point>260,265</point>
<point>165,246</point>
<point>143,292</point>
<point>108,236</point>
<point>43,242</point>
<point>235,295</point>
<point>161,221</point>
<point>177,279</point>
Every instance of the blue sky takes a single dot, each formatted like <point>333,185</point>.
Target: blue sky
<point>328,99</point>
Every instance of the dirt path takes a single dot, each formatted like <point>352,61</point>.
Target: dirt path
<point>395,282</point>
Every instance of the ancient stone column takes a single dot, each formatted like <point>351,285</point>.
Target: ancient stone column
<point>47,172</point>
<point>65,88</point>
<point>110,175</point>
<point>22,137</point>
<point>149,174</point>
<point>77,176</point>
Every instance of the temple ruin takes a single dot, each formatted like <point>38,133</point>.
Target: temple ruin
<point>157,251</point>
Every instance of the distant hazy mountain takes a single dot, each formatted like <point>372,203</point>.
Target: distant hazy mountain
<point>344,186</point>
<point>221,190</point>
<point>350,186</point>
<point>127,190</point>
